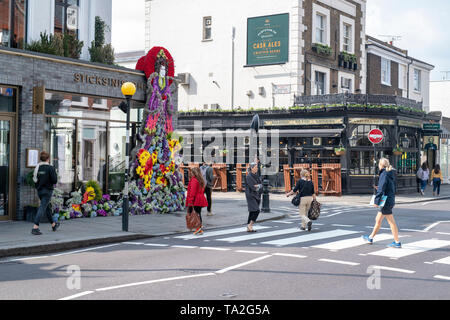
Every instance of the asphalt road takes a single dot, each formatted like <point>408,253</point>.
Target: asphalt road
<point>276,263</point>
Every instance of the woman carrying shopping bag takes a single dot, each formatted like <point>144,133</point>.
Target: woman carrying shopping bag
<point>386,189</point>
<point>195,198</point>
<point>305,187</point>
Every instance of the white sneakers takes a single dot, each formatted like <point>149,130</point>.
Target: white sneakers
<point>210,213</point>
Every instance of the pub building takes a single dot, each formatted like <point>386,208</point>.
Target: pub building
<point>69,108</point>
<point>310,132</point>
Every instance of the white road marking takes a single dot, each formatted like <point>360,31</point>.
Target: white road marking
<point>156,245</point>
<point>218,233</point>
<point>444,233</point>
<point>343,225</point>
<point>393,269</point>
<point>24,259</point>
<point>260,235</point>
<point>287,222</point>
<point>443,261</point>
<point>243,264</point>
<point>442,277</point>
<point>154,281</point>
<point>368,227</point>
<point>213,248</point>
<point>135,243</point>
<point>413,230</point>
<point>84,250</point>
<point>249,251</point>
<point>311,237</point>
<point>77,295</point>
<point>290,255</point>
<point>411,248</point>
<point>433,225</point>
<point>185,247</point>
<point>340,262</point>
<point>350,243</point>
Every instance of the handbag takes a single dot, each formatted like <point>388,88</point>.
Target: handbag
<point>382,202</point>
<point>192,219</point>
<point>296,200</point>
<point>314,211</point>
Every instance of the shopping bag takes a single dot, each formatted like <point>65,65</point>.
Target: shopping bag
<point>382,202</point>
<point>314,210</point>
<point>192,219</point>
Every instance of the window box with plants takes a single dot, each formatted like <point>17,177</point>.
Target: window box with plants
<point>405,110</point>
<point>348,60</point>
<point>340,151</point>
<point>356,107</point>
<point>322,49</point>
<point>320,108</point>
<point>297,109</point>
<point>335,107</point>
<point>397,151</point>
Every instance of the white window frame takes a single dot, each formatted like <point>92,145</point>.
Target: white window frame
<point>402,76</point>
<point>349,76</point>
<point>387,63</point>
<point>326,71</point>
<point>318,10</point>
<point>351,23</point>
<point>417,88</point>
<point>205,26</point>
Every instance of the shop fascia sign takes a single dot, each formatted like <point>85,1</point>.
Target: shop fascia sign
<point>386,122</point>
<point>104,81</point>
<point>431,126</point>
<point>281,88</point>
<point>412,124</point>
<point>303,122</point>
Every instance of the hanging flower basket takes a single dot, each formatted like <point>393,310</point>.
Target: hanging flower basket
<point>340,151</point>
<point>397,151</point>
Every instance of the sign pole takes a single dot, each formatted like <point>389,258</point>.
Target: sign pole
<point>374,168</point>
<point>375,136</point>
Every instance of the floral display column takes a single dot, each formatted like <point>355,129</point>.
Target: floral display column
<point>156,185</point>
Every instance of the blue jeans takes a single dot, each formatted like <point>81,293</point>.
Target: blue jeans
<point>437,185</point>
<point>423,184</point>
<point>45,197</point>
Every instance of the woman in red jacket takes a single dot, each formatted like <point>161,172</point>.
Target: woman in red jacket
<point>195,198</point>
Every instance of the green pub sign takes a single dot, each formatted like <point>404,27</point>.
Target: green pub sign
<point>431,126</point>
<point>268,40</point>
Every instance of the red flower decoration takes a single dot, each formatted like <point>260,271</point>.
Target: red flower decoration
<point>147,62</point>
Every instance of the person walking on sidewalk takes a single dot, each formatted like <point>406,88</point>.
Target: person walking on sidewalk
<point>45,178</point>
<point>253,191</point>
<point>208,176</point>
<point>306,188</point>
<point>386,187</point>
<point>195,198</point>
<point>436,179</point>
<point>423,174</point>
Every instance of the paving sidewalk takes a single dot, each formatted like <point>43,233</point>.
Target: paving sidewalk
<point>230,209</point>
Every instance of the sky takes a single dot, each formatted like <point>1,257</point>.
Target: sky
<point>422,25</point>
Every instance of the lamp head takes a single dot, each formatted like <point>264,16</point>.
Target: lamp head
<point>128,89</point>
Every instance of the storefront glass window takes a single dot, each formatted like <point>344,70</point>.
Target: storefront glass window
<point>91,146</point>
<point>407,163</point>
<point>116,157</point>
<point>7,99</point>
<point>60,136</point>
<point>66,16</point>
<point>12,23</point>
<point>361,133</point>
<point>361,163</point>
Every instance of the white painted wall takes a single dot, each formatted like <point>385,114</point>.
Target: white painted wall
<point>41,19</point>
<point>209,61</point>
<point>440,97</point>
<point>424,94</point>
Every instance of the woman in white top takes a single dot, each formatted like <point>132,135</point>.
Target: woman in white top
<point>423,174</point>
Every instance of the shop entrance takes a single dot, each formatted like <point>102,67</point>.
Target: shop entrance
<point>7,185</point>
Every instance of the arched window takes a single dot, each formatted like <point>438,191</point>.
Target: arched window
<point>359,137</point>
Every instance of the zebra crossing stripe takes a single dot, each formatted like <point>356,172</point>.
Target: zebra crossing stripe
<point>411,248</point>
<point>310,237</point>
<point>261,235</point>
<point>443,261</point>
<point>217,233</point>
<point>350,243</point>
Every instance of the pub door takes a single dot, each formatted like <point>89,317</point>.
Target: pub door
<point>7,167</point>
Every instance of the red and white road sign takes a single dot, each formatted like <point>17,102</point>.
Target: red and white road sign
<point>376,136</point>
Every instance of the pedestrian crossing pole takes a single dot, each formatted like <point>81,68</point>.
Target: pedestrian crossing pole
<point>128,90</point>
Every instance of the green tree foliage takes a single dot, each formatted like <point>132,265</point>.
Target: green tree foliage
<point>99,51</point>
<point>64,45</point>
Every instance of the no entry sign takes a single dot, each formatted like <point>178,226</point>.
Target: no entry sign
<point>376,136</point>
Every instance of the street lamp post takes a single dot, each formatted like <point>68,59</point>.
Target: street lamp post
<point>128,90</point>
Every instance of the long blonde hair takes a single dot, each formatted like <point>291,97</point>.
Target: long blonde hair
<point>305,174</point>
<point>386,164</point>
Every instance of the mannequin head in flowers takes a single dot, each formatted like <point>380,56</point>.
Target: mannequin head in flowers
<point>161,68</point>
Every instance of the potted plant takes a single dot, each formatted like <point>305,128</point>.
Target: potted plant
<point>319,108</point>
<point>356,107</point>
<point>397,151</point>
<point>335,107</point>
<point>340,151</point>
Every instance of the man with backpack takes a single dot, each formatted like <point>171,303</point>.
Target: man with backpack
<point>208,176</point>
<point>45,178</point>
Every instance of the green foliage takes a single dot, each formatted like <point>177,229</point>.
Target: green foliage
<point>99,51</point>
<point>323,49</point>
<point>348,57</point>
<point>339,149</point>
<point>29,179</point>
<point>98,191</point>
<point>64,45</point>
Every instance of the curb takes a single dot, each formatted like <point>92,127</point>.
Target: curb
<point>56,247</point>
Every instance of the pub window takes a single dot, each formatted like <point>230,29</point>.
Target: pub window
<point>407,163</point>
<point>13,15</point>
<point>385,71</point>
<point>320,83</point>
<point>321,24</point>
<point>347,45</point>
<point>346,85</point>
<point>66,16</point>
<point>417,80</point>
<point>207,22</point>
<point>360,138</point>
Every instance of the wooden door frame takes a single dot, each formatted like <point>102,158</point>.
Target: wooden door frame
<point>12,190</point>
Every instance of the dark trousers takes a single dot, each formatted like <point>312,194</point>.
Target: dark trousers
<point>437,185</point>
<point>44,196</point>
<point>252,216</point>
<point>198,210</point>
<point>208,193</point>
